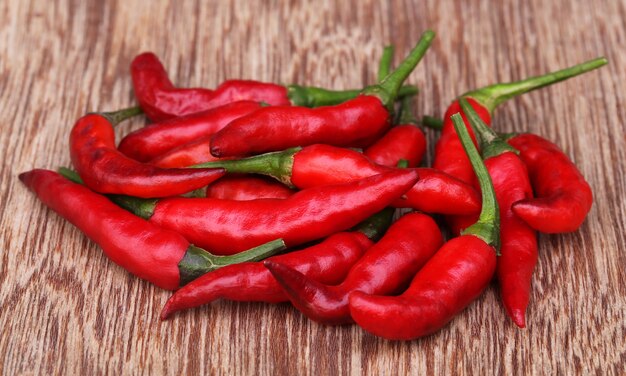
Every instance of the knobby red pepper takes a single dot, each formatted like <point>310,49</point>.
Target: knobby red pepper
<point>106,170</point>
<point>384,269</point>
<point>227,227</point>
<point>449,155</point>
<point>327,262</point>
<point>563,196</point>
<point>357,122</point>
<point>159,256</point>
<point>319,165</point>
<point>456,275</point>
<point>518,241</point>
<point>161,100</point>
<point>155,140</point>
<point>244,188</point>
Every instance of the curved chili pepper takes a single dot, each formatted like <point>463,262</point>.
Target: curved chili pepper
<point>456,275</point>
<point>244,188</point>
<point>150,142</point>
<point>563,195</point>
<point>227,227</point>
<point>106,170</point>
<point>385,268</point>
<point>161,100</point>
<point>319,165</point>
<point>518,240</point>
<point>357,122</point>
<point>159,256</point>
<point>403,141</point>
<point>449,155</point>
<point>327,262</point>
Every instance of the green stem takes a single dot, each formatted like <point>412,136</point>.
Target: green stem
<point>197,261</point>
<point>70,175</point>
<point>488,225</point>
<point>276,164</point>
<point>310,96</point>
<point>375,226</point>
<point>387,89</point>
<point>491,144</point>
<point>432,122</point>
<point>117,117</point>
<point>406,112</point>
<point>384,66</point>
<point>492,96</point>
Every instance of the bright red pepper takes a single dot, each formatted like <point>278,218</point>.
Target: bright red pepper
<point>227,227</point>
<point>357,122</point>
<point>449,155</point>
<point>159,256</point>
<point>327,262</point>
<point>155,140</point>
<point>161,100</point>
<point>244,188</point>
<point>106,170</point>
<point>456,275</point>
<point>563,196</point>
<point>319,165</point>
<point>384,269</point>
<point>518,241</point>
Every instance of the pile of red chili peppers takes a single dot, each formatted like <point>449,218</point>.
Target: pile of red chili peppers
<point>254,191</point>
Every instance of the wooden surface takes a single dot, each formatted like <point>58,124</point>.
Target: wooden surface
<point>64,308</point>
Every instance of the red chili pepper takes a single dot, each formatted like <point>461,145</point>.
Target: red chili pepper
<point>227,227</point>
<point>449,156</point>
<point>159,256</point>
<point>403,141</point>
<point>563,196</point>
<point>153,141</point>
<point>518,241</point>
<point>161,100</point>
<point>357,122</point>
<point>189,154</point>
<point>319,165</point>
<point>106,170</point>
<point>244,188</point>
<point>327,262</point>
<point>456,275</point>
<point>384,269</point>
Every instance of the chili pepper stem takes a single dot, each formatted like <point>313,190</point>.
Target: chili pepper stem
<point>310,96</point>
<point>432,122</point>
<point>197,261</point>
<point>491,144</point>
<point>492,96</point>
<point>70,175</point>
<point>277,165</point>
<point>406,112</point>
<point>375,226</point>
<point>117,117</point>
<point>387,89</point>
<point>385,62</point>
<point>487,227</point>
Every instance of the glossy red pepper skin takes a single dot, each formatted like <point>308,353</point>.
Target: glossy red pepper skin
<point>435,192</point>
<point>104,169</point>
<point>456,275</point>
<point>189,154</point>
<point>384,269</point>
<point>355,123</point>
<point>244,188</point>
<point>563,195</point>
<point>151,142</point>
<point>227,227</point>
<point>400,142</point>
<point>327,262</point>
<point>142,248</point>
<point>160,100</point>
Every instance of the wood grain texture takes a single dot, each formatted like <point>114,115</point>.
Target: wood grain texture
<point>66,309</point>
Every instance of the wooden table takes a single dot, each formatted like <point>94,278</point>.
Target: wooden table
<point>64,308</point>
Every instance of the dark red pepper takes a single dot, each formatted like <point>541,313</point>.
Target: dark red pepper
<point>327,262</point>
<point>356,123</point>
<point>563,196</point>
<point>155,140</point>
<point>384,269</point>
<point>106,170</point>
<point>227,227</point>
<point>456,275</point>
<point>319,165</point>
<point>244,188</point>
<point>159,256</point>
